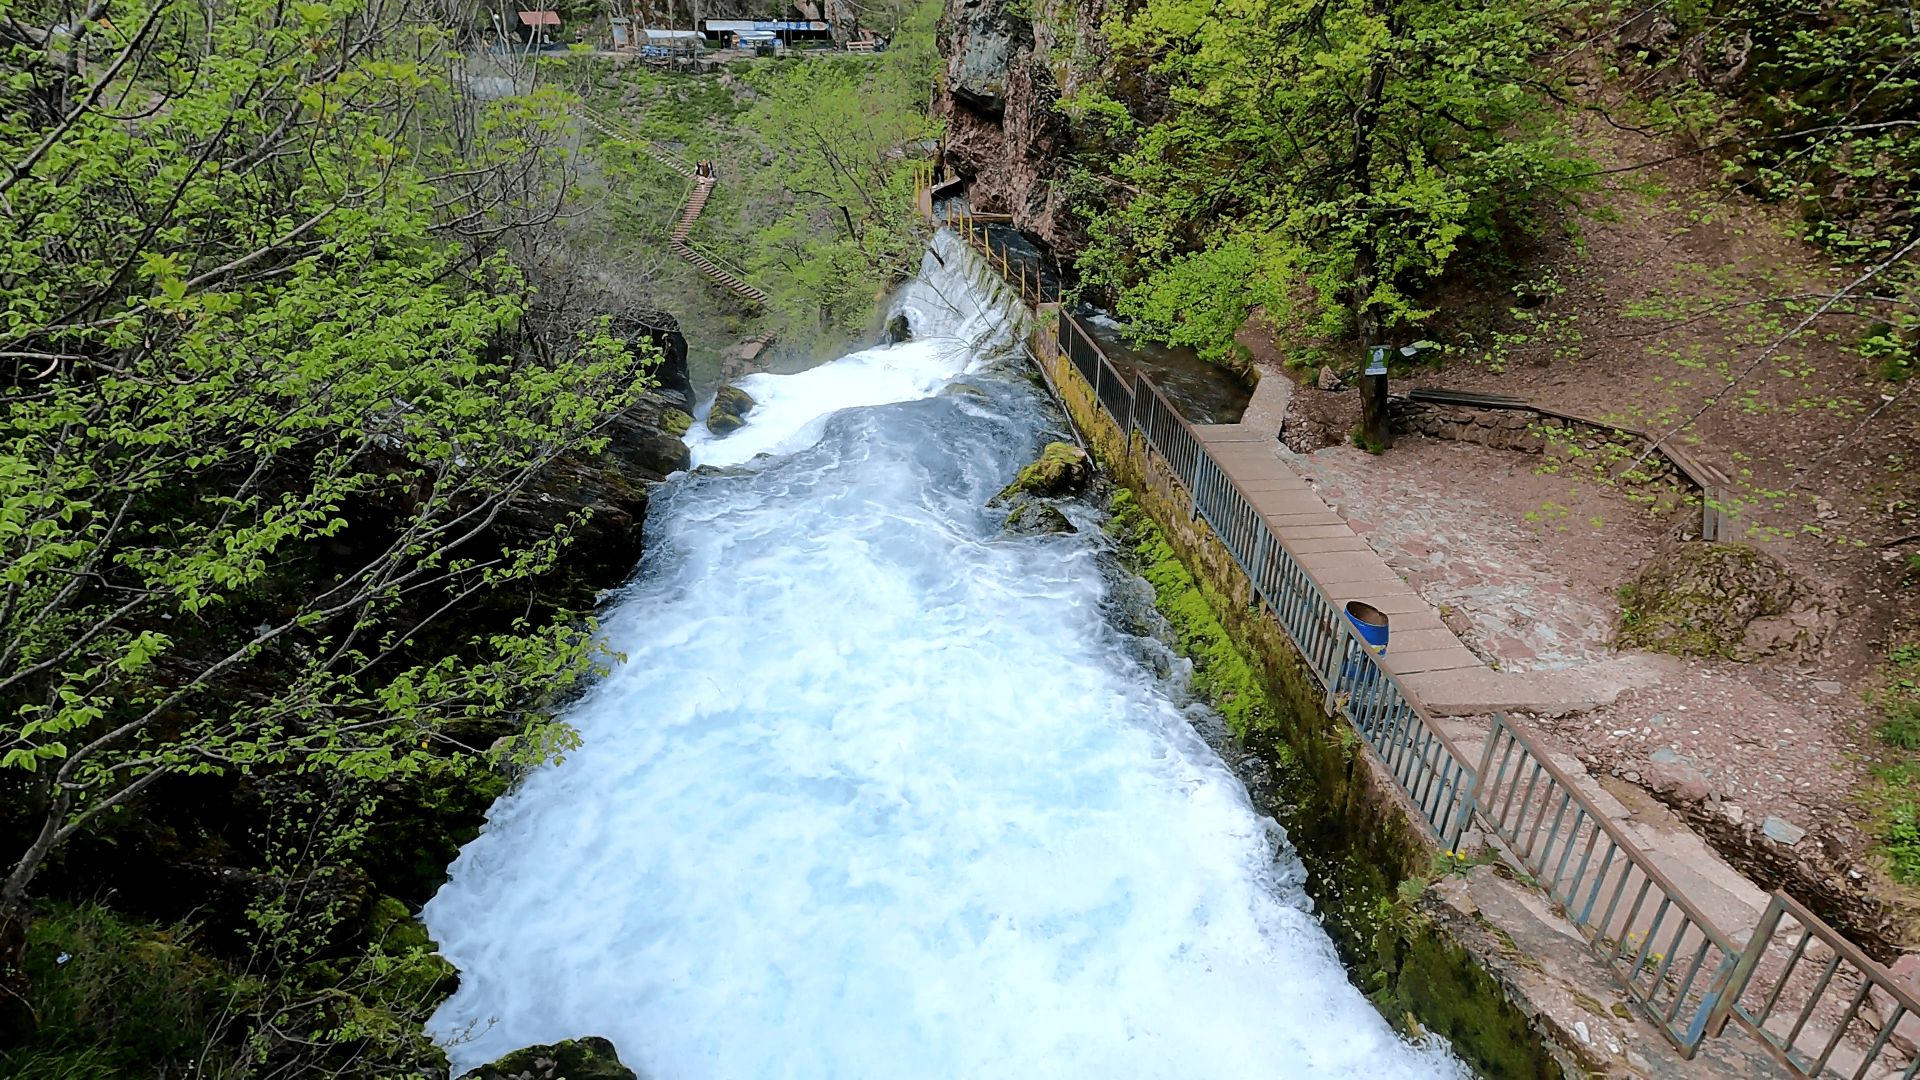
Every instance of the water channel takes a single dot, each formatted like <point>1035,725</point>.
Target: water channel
<point>882,792</point>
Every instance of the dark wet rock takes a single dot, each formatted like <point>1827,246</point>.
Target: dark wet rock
<point>730,408</point>
<point>590,1058</point>
<point>963,388</point>
<point>899,330</point>
<point>661,332</point>
<point>1062,469</point>
<point>1035,518</point>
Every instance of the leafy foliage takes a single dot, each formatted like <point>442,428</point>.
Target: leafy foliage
<point>1817,107</point>
<point>841,141</point>
<point>274,375</point>
<point>1293,149</point>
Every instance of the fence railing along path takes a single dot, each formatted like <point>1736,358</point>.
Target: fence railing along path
<point>1815,1001</point>
<point>731,279</point>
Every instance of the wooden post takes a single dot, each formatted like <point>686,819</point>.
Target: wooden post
<point>1373,401</point>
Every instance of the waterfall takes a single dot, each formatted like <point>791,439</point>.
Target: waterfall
<point>881,792</point>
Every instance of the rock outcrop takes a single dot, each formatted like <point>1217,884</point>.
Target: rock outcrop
<point>1004,135</point>
<point>591,1058</point>
<point>730,408</point>
<point>1032,517</point>
<point>1061,469</point>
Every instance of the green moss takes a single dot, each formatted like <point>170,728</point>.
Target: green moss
<point>107,997</point>
<point>676,422</point>
<point>575,1059</point>
<point>1430,976</point>
<point>110,998</point>
<point>730,408</point>
<point>1698,599</point>
<point>1061,469</point>
<point>1220,673</point>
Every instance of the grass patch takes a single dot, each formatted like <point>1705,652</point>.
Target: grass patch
<point>1893,795</point>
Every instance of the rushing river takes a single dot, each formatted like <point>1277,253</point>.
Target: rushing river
<point>881,793</point>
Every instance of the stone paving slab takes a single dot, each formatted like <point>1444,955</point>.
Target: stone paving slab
<point>1305,517</point>
<point>1348,542</point>
<point>1213,434</point>
<point>1445,658</point>
<point>1405,638</point>
<point>1313,532</point>
<point>1278,504</point>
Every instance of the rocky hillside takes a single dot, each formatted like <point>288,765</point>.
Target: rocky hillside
<point>1007,67</point>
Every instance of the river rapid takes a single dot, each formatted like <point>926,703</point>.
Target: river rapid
<point>882,792</point>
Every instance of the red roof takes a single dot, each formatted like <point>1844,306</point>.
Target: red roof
<point>540,18</point>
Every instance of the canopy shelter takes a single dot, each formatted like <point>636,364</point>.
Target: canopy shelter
<point>782,29</point>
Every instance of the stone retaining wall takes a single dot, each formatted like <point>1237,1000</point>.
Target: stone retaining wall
<point>1530,430</point>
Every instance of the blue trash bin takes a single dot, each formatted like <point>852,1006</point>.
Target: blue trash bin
<point>1370,623</point>
<point>1370,626</point>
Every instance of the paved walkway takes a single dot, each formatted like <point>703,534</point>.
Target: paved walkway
<point>1450,682</point>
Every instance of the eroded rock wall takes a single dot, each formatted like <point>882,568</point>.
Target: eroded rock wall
<point>1008,64</point>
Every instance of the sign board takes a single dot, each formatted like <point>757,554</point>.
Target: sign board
<point>735,26</point>
<point>1377,360</point>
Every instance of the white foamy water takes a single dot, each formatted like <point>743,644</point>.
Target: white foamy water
<point>881,793</point>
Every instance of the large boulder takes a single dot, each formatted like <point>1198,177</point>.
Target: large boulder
<point>661,332</point>
<point>730,408</point>
<point>988,34</point>
<point>1721,600</point>
<point>1062,469</point>
<point>591,1058</point>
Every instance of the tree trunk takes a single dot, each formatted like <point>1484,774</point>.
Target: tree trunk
<point>1366,256</point>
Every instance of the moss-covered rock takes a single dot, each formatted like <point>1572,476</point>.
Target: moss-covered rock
<point>1061,469</point>
<point>676,422</point>
<point>730,408</point>
<point>1035,518</point>
<point>1726,600</point>
<point>418,972</point>
<point>591,1058</point>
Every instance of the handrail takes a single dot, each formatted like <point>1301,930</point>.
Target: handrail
<point>1847,969</point>
<point>1543,818</point>
<point>1685,972</point>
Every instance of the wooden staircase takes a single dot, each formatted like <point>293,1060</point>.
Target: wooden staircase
<point>697,198</point>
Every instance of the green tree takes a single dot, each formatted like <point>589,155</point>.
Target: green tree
<point>1325,161</point>
<point>843,139</point>
<point>269,381</point>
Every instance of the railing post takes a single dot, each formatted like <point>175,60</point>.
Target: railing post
<point>1729,995</point>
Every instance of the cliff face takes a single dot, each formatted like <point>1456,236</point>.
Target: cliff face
<point>1006,68</point>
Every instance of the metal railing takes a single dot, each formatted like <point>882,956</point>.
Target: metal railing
<point>1835,988</point>
<point>1429,769</point>
<point>1034,290</point>
<point>1686,973</point>
<point>1664,951</point>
